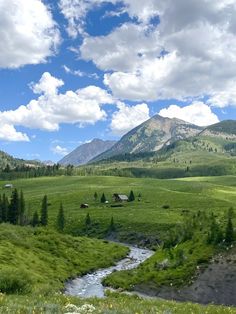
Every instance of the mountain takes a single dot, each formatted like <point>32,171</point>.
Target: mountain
<point>151,136</point>
<point>225,129</point>
<point>84,153</point>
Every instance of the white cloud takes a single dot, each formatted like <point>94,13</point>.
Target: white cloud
<point>59,150</point>
<point>9,133</point>
<point>157,61</point>
<point>75,11</point>
<point>28,33</point>
<point>113,52</point>
<point>52,108</point>
<point>128,117</point>
<point>80,73</point>
<point>47,85</point>
<point>197,113</point>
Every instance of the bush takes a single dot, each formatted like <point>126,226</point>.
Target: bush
<point>14,281</point>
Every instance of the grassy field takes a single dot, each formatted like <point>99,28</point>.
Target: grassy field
<point>148,218</point>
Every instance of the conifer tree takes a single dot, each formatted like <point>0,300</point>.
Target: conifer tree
<point>60,219</point>
<point>131,196</point>
<point>22,209</point>
<point>87,220</point>
<point>14,208</point>
<point>44,211</point>
<point>95,196</point>
<point>4,210</point>
<point>103,198</point>
<point>112,227</point>
<point>35,220</point>
<point>229,232</point>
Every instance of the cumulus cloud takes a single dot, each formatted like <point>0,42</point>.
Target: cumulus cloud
<point>9,133</point>
<point>47,85</point>
<point>59,150</point>
<point>28,33</point>
<point>128,117</point>
<point>165,61</point>
<point>53,108</point>
<point>113,52</point>
<point>197,113</point>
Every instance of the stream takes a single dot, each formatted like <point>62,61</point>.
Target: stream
<point>90,285</point>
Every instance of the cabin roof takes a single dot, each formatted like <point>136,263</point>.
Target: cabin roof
<point>122,197</point>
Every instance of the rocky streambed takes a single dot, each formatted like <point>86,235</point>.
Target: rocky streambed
<point>90,285</point>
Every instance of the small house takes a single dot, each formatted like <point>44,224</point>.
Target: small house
<point>8,186</point>
<point>84,206</point>
<point>120,198</point>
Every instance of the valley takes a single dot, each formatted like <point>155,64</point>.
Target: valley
<point>171,217</point>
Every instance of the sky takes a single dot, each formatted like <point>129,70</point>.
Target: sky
<point>74,70</point>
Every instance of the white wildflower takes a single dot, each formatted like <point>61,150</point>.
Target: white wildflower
<point>84,309</point>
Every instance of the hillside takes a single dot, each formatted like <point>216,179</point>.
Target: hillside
<point>84,153</point>
<point>6,159</point>
<point>227,127</point>
<point>151,136</point>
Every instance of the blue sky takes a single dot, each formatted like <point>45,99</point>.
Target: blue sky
<point>74,70</point>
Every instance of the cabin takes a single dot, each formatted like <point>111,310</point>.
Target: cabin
<point>120,198</point>
<point>8,186</point>
<point>84,206</point>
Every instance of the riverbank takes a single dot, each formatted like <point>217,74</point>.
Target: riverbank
<point>215,284</point>
<point>91,285</point>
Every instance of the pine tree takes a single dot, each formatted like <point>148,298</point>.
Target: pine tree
<point>87,220</point>
<point>1,209</point>
<point>131,196</point>
<point>22,209</point>
<point>95,196</point>
<point>14,208</point>
<point>103,198</point>
<point>5,206</point>
<point>112,226</point>
<point>44,211</point>
<point>229,232</point>
<point>60,219</point>
<point>35,220</point>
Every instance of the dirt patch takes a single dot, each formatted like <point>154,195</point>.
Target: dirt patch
<point>216,284</point>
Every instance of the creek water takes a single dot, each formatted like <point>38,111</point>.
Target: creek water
<point>90,285</point>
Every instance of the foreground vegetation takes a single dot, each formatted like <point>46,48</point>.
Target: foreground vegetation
<point>113,304</point>
<point>41,260</point>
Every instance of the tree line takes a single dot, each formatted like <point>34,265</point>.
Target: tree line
<point>13,211</point>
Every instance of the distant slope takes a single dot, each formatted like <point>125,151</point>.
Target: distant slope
<point>151,136</point>
<point>223,129</point>
<point>84,153</point>
<point>6,159</point>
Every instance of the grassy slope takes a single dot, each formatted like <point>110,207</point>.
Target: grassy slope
<point>47,258</point>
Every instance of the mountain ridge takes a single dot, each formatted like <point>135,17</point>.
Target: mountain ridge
<point>151,136</point>
<point>85,152</point>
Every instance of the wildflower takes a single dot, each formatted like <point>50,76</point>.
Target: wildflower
<point>84,309</point>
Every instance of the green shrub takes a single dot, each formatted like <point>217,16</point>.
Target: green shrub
<point>15,281</point>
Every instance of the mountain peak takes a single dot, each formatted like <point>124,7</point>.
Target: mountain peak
<point>151,136</point>
<point>85,152</point>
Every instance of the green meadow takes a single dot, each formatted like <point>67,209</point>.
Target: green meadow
<point>162,205</point>
<point>37,261</point>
